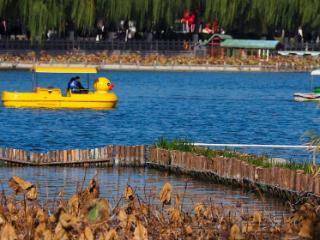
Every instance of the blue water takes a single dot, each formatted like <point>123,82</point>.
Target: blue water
<point>252,108</point>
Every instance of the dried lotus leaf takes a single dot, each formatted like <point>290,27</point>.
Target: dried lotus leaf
<point>92,191</point>
<point>74,204</point>
<point>235,233</point>
<point>199,210</point>
<point>128,193</point>
<point>165,194</point>
<point>2,219</point>
<point>188,230</point>
<point>60,233</point>
<point>19,185</point>
<point>68,221</point>
<point>32,194</point>
<point>140,232</point>
<point>111,235</point>
<point>8,232</point>
<point>174,215</point>
<point>87,234</point>
<point>40,229</point>
<point>11,208</point>
<point>122,217</point>
<point>257,217</point>
<point>306,229</point>
<point>47,235</point>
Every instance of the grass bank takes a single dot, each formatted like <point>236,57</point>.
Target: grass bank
<point>260,161</point>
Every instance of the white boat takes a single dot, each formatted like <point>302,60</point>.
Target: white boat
<point>311,96</point>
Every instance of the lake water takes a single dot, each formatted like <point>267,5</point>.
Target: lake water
<point>249,108</point>
<point>146,183</point>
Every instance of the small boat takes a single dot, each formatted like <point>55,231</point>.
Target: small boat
<point>311,96</point>
<point>100,98</point>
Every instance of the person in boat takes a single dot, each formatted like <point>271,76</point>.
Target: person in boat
<point>75,85</point>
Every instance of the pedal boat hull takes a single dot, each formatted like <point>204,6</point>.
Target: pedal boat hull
<point>52,98</point>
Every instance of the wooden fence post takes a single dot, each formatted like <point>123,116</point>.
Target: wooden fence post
<point>97,153</point>
<point>236,168</point>
<point>72,155</point>
<point>259,173</point>
<point>25,155</point>
<point>32,157</point>
<point>142,155</point>
<point>299,175</point>
<point>56,156</point>
<point>316,185</point>
<point>292,179</point>
<point>137,156</point>
<point>133,156</point>
<point>187,161</point>
<point>174,157</point>
<point>118,157</point>
<point>127,155</point>
<point>310,183</point>
<point>149,154</point>
<point>109,155</point>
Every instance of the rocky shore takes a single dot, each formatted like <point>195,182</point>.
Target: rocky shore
<point>156,62</point>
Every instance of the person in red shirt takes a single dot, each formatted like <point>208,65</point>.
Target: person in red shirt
<point>185,21</point>
<point>191,21</point>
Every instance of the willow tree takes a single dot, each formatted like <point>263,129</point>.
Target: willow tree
<point>309,13</point>
<point>253,15</point>
<point>40,15</point>
<point>242,16</point>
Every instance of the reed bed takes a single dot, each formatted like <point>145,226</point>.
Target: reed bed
<point>86,216</point>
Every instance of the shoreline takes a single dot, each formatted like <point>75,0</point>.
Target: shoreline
<point>159,68</point>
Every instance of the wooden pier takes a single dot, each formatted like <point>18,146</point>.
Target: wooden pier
<point>104,156</point>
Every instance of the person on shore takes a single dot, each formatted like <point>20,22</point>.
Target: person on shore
<point>207,29</point>
<point>75,85</point>
<point>3,28</point>
<point>100,30</point>
<point>300,35</point>
<point>185,21</point>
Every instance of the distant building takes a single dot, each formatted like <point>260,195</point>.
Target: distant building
<point>220,44</point>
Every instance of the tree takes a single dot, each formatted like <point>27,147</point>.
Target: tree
<point>238,16</point>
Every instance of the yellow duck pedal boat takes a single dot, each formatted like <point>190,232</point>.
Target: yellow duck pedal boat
<point>100,98</point>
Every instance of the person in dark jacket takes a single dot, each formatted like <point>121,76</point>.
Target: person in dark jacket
<point>75,85</point>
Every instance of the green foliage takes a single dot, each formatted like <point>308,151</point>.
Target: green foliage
<point>244,16</point>
<point>37,18</point>
<point>83,13</point>
<point>261,161</point>
<point>176,144</point>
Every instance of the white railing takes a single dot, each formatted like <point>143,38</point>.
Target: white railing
<point>313,149</point>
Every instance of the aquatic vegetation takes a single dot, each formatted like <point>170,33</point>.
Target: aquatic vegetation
<point>86,216</point>
<point>175,144</point>
<point>260,161</point>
